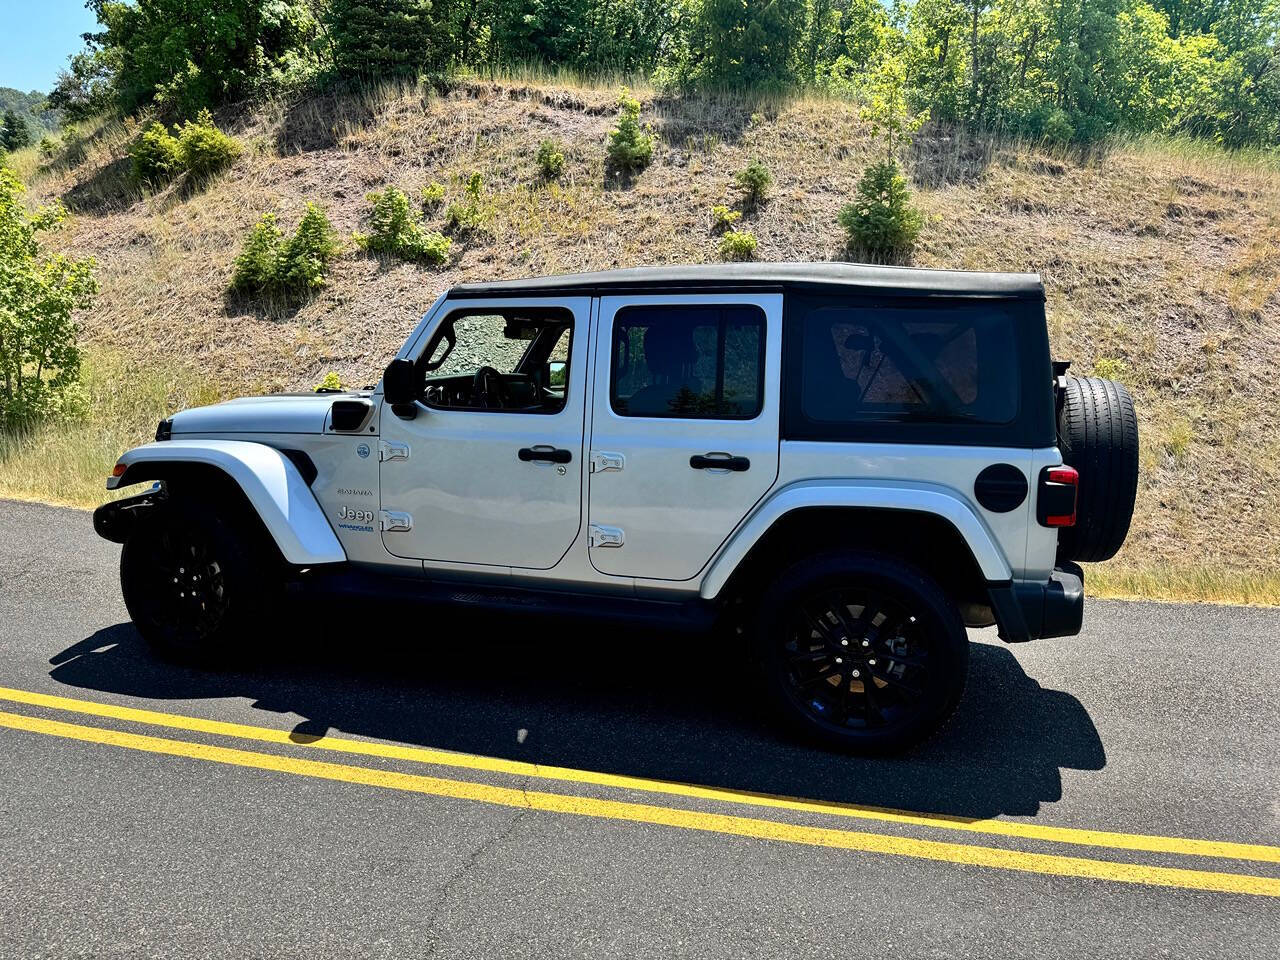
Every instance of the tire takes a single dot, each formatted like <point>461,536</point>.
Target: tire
<point>198,589</point>
<point>833,603</point>
<point>1098,435</point>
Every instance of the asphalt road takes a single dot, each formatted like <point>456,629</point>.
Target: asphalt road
<point>299,833</point>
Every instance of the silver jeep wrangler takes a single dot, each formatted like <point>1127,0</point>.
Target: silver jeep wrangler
<point>851,462</point>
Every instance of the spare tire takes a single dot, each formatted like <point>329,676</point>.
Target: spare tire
<point>1098,435</point>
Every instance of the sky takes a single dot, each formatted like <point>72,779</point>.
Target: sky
<point>36,39</point>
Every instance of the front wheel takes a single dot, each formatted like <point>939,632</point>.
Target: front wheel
<point>862,652</point>
<point>196,588</point>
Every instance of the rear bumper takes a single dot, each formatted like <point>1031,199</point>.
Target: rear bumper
<point>1027,610</point>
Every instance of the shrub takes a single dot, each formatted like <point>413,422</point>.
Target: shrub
<point>48,147</point>
<point>630,148</point>
<point>432,194</point>
<point>738,245</point>
<point>722,218</point>
<point>156,155</point>
<point>331,382</point>
<point>550,159</point>
<point>257,265</point>
<point>271,263</point>
<point>471,213</point>
<point>1110,368</point>
<point>1057,126</point>
<point>203,149</point>
<point>396,228</point>
<point>305,256</point>
<point>200,148</point>
<point>882,220</point>
<point>39,359</point>
<point>754,181</point>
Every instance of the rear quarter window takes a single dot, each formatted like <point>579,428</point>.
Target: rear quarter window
<point>929,371</point>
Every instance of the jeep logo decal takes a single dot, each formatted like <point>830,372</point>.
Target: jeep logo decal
<point>355,516</point>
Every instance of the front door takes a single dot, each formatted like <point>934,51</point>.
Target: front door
<point>489,468</point>
<point>684,430</point>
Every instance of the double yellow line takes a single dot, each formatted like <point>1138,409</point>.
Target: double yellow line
<point>700,820</point>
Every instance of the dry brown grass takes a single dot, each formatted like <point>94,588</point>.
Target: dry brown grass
<point>1160,259</point>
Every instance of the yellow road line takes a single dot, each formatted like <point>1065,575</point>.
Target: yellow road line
<point>959,853</point>
<point>1027,831</point>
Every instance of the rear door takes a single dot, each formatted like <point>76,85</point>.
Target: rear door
<point>684,427</point>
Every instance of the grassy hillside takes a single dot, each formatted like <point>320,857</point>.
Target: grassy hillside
<point>1162,264</point>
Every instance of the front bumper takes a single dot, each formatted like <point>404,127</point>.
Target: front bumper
<point>114,521</point>
<point>1035,610</point>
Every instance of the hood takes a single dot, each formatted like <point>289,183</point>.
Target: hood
<point>279,413</point>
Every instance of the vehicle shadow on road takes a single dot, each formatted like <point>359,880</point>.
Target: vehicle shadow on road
<point>624,702</point>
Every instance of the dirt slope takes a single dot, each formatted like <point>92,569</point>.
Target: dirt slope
<point>1162,263</point>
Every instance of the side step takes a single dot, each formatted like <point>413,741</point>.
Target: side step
<point>691,616</point>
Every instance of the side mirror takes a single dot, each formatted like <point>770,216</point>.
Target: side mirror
<point>399,389</point>
<point>557,372</point>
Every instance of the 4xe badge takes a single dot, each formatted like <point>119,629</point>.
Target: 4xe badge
<point>362,451</point>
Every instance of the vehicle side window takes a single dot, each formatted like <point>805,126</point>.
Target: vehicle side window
<point>698,362</point>
<point>942,365</point>
<point>499,361</point>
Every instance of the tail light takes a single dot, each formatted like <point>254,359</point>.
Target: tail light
<point>1056,502</point>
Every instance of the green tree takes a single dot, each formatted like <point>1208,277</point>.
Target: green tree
<point>630,147</point>
<point>396,228</point>
<point>887,110</point>
<point>184,55</point>
<point>374,38</point>
<point>290,267</point>
<point>881,220</point>
<point>755,43</point>
<point>935,56</point>
<point>14,134</point>
<point>1243,105</point>
<point>614,35</point>
<point>39,359</point>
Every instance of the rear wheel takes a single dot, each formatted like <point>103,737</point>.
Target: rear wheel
<point>862,652</point>
<point>197,588</point>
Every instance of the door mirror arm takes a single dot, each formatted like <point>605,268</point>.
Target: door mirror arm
<point>399,389</point>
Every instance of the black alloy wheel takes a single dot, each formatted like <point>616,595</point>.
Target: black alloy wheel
<point>196,588</point>
<point>856,661</point>
<point>190,587</point>
<point>862,652</point>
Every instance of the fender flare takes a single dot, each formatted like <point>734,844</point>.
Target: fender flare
<point>268,479</point>
<point>873,494</point>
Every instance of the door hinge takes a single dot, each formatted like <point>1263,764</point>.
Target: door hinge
<point>603,460</point>
<point>396,521</point>
<point>392,450</point>
<point>601,536</point>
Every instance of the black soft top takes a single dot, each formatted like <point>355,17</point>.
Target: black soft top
<point>835,277</point>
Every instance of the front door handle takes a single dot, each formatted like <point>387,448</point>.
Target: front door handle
<point>545,454</point>
<point>710,461</point>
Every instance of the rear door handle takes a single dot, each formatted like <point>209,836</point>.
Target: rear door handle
<point>709,461</point>
<point>545,454</point>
